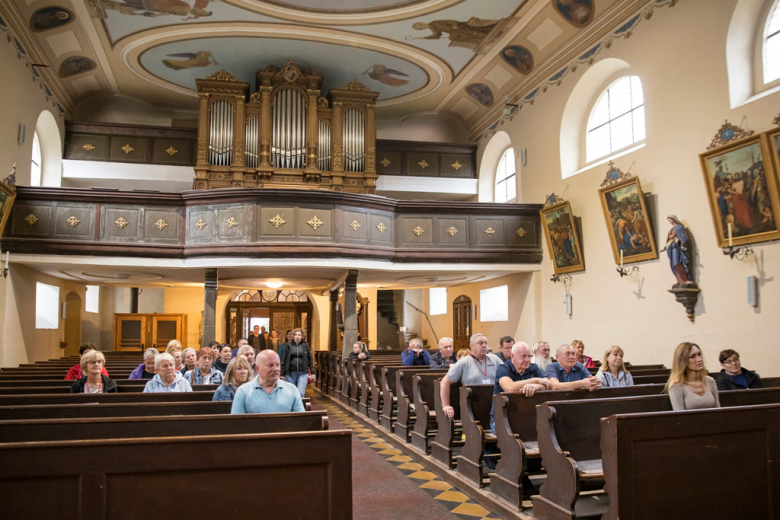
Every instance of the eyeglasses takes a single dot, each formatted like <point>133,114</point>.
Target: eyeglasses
<point>733,361</point>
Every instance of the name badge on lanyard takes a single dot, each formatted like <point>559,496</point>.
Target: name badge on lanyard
<point>485,380</point>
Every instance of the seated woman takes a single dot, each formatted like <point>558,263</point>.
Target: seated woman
<point>359,351</point>
<point>689,387</point>
<point>733,376</point>
<point>237,373</point>
<point>579,350</point>
<point>463,352</point>
<point>146,369</point>
<point>221,363</point>
<point>75,371</point>
<point>204,373</point>
<point>174,349</point>
<point>189,358</point>
<point>93,382</point>
<point>613,372</point>
<point>167,379</point>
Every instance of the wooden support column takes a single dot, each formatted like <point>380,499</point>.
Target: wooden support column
<point>202,161</point>
<point>337,152</point>
<point>211,288</point>
<point>333,334</point>
<point>350,313</point>
<point>370,174</point>
<point>265,132</point>
<point>239,142</point>
<point>312,171</point>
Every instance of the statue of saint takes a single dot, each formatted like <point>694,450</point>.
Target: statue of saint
<point>677,249</point>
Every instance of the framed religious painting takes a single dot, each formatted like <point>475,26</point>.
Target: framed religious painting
<point>625,213</point>
<point>742,190</point>
<point>7,196</point>
<point>563,244</point>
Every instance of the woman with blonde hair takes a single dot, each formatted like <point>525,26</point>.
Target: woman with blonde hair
<point>174,349</point>
<point>689,387</point>
<point>579,350</point>
<point>613,372</point>
<point>237,373</point>
<point>93,380</point>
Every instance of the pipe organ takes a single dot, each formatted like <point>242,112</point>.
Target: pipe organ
<point>284,135</point>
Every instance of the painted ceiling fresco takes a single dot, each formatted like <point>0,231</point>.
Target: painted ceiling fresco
<point>456,57</point>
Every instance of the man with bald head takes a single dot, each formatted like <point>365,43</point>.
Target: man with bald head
<point>267,393</point>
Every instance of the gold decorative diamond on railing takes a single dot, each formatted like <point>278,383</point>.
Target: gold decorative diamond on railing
<point>384,162</point>
<point>127,148</point>
<point>161,224</point>
<point>451,232</point>
<point>89,147</point>
<point>490,231</point>
<point>172,151</point>
<point>381,227</point>
<point>456,166</point>
<point>200,224</point>
<point>418,231</point>
<point>521,232</point>
<point>121,222</point>
<point>31,219</point>
<point>277,221</point>
<point>231,222</point>
<point>355,225</point>
<point>72,221</point>
<point>315,222</point>
<point>423,164</point>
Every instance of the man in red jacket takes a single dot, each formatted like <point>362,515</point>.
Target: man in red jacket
<point>75,371</point>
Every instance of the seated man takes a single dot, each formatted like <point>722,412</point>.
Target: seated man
<point>241,343</point>
<point>567,374</point>
<point>249,353</point>
<point>542,355</point>
<point>733,376</point>
<point>445,356</point>
<point>267,393</point>
<point>415,355</point>
<point>166,378</point>
<point>505,348</point>
<point>75,371</point>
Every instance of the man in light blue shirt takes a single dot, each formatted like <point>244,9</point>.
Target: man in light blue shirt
<point>567,374</point>
<point>267,393</point>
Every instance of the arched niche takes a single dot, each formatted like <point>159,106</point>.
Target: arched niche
<point>51,149</point>
<point>495,148</point>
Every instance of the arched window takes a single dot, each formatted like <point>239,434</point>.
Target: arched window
<point>617,120</point>
<point>35,167</point>
<point>506,180</point>
<point>772,45</point>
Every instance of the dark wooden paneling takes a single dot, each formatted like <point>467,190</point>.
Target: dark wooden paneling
<point>128,149</point>
<point>87,147</point>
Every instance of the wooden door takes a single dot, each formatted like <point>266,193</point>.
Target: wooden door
<point>132,332</point>
<point>461,320</point>
<point>167,328</point>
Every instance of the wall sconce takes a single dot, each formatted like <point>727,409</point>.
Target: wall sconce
<point>509,108</point>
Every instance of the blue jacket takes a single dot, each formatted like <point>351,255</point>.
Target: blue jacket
<point>224,393</point>
<point>408,358</point>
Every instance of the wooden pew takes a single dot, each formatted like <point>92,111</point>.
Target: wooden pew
<point>357,380</point>
<point>122,389</point>
<point>141,478</point>
<point>423,388</point>
<point>64,382</point>
<point>38,430</point>
<point>404,391</point>
<point>48,377</point>
<point>475,403</point>
<point>389,398</point>
<point>569,434</point>
<point>702,464</point>
<point>444,444</point>
<point>129,397</point>
<point>369,388</point>
<point>515,416</point>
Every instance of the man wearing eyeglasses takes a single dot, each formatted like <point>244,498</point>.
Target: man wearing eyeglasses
<point>733,376</point>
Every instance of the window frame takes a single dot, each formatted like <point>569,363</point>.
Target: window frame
<point>592,161</point>
<point>36,180</point>
<point>47,304</point>
<point>492,294</point>
<point>497,181</point>
<point>763,38</point>
<point>442,302</point>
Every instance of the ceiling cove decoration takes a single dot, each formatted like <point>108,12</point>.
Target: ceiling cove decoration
<point>22,54</point>
<point>623,31</point>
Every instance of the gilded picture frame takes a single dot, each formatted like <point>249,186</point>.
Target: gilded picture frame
<point>742,189</point>
<point>628,223</point>
<point>7,197</point>
<point>563,242</point>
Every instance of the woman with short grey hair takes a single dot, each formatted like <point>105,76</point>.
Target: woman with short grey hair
<point>146,369</point>
<point>166,379</point>
<point>189,360</point>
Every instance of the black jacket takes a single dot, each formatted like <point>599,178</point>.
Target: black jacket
<point>307,361</point>
<point>438,361</point>
<point>257,342</point>
<point>109,385</point>
<point>352,355</point>
<point>726,382</point>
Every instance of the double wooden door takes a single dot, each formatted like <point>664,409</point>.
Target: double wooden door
<point>461,312</point>
<point>141,331</point>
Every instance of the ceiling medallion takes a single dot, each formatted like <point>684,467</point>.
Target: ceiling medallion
<point>127,148</point>
<point>315,222</point>
<point>423,164</point>
<point>72,221</point>
<point>290,72</point>
<point>521,232</point>
<point>121,222</point>
<point>231,222</point>
<point>490,231</point>
<point>277,221</point>
<point>418,231</point>
<point>222,76</point>
<point>89,147</point>
<point>355,85</point>
<point>355,225</point>
<point>381,227</point>
<point>384,162</point>
<point>451,232</point>
<point>31,219</point>
<point>456,166</point>
<point>200,224</point>
<point>161,224</point>
<point>172,151</point>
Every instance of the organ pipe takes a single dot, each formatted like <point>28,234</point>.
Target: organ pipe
<point>288,132</point>
<point>323,146</point>
<point>221,133</point>
<point>252,139</point>
<point>354,132</point>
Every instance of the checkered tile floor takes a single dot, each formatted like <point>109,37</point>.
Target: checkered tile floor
<point>456,502</point>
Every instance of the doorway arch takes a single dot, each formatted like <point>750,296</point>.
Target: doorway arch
<point>461,321</point>
<point>272,308</point>
<point>72,323</point>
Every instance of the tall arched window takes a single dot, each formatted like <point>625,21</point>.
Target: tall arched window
<point>772,45</point>
<point>506,180</point>
<point>617,120</point>
<point>35,167</point>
